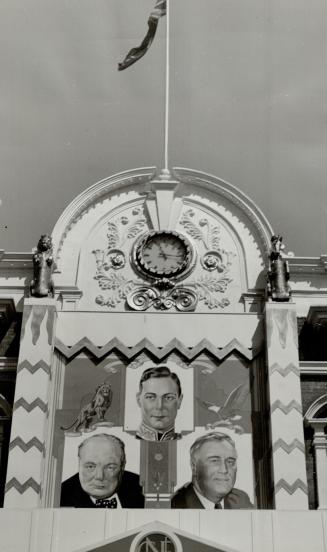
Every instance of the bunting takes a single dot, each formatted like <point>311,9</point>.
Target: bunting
<point>136,53</point>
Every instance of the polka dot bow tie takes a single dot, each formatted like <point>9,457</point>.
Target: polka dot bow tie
<point>106,503</point>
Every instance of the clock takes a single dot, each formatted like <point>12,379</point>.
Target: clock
<point>163,254</point>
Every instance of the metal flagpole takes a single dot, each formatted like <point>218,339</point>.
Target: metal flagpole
<point>166,130</point>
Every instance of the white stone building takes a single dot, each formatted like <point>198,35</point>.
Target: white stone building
<point>119,307</point>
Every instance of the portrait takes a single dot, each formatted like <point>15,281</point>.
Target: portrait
<point>213,459</point>
<point>101,479</point>
<point>157,409</point>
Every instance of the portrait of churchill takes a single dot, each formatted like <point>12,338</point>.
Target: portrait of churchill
<point>159,398</point>
<point>213,459</point>
<point>102,481</point>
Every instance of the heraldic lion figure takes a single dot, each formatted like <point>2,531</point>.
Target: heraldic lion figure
<point>42,284</point>
<point>96,408</point>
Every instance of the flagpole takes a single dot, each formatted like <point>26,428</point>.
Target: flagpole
<point>166,131</point>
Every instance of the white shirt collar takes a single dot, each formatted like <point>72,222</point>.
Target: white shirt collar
<point>207,504</point>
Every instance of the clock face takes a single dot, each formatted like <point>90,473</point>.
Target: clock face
<point>163,254</point>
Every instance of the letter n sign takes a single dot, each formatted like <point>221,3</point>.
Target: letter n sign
<point>156,542</point>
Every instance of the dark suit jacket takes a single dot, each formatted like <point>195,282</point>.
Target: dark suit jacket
<point>185,497</point>
<point>129,493</point>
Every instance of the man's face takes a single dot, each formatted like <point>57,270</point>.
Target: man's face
<point>100,468</point>
<point>159,403</point>
<point>215,469</point>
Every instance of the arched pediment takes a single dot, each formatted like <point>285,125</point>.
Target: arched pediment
<point>317,410</point>
<point>171,539</point>
<point>229,236</point>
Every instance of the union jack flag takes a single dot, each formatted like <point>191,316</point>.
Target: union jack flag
<point>136,53</point>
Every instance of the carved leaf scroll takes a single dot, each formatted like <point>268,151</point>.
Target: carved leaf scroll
<point>206,287</point>
<point>113,235</point>
<point>214,237</point>
<point>134,229</point>
<point>119,287</point>
<point>213,284</point>
<point>191,228</point>
<point>113,281</point>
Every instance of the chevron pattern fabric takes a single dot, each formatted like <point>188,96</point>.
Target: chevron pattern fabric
<point>27,446</point>
<point>145,345</point>
<point>290,485</point>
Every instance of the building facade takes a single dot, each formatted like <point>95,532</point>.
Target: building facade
<point>182,271</point>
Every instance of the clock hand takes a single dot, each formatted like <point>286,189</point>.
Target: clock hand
<point>172,255</point>
<point>163,254</point>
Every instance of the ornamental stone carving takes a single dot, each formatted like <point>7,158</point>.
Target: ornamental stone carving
<point>181,298</point>
<point>42,284</point>
<point>278,288</point>
<point>162,287</point>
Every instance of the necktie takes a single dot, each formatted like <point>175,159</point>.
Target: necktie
<point>218,506</point>
<point>106,503</point>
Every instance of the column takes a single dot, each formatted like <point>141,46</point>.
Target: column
<point>320,446</point>
<point>288,451</point>
<point>30,416</point>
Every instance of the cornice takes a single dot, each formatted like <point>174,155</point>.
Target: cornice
<point>15,261</point>
<point>308,292</point>
<point>308,265</point>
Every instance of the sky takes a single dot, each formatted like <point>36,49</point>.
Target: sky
<point>247,104</point>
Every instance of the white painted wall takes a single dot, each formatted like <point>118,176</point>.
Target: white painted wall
<point>70,530</point>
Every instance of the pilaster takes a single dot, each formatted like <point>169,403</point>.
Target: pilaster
<point>320,448</point>
<point>30,417</point>
<point>288,452</point>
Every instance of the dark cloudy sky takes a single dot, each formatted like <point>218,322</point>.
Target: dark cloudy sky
<point>248,104</point>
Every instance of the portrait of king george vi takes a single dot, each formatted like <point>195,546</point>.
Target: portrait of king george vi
<point>159,398</point>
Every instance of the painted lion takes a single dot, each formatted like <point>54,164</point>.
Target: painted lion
<point>96,408</point>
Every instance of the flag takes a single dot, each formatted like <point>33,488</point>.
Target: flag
<point>136,53</point>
